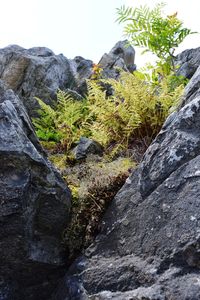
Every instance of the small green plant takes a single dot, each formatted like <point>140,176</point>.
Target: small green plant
<point>149,29</point>
<point>62,123</point>
<point>45,124</point>
<point>154,76</point>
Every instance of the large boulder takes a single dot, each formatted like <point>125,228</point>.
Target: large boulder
<point>38,72</point>
<point>35,204</point>
<point>149,245</point>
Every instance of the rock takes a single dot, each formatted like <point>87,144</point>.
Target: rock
<point>34,210</point>
<point>192,90</point>
<point>121,56</point>
<point>188,61</point>
<point>82,70</point>
<point>38,72</point>
<point>87,146</point>
<point>149,245</point>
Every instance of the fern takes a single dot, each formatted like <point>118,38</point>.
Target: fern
<point>45,125</point>
<point>136,109</point>
<point>62,123</point>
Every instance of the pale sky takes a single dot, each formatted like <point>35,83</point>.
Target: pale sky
<point>81,27</point>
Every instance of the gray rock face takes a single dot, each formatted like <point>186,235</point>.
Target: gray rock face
<point>82,70</point>
<point>122,56</point>
<point>87,146</point>
<point>150,238</point>
<point>38,72</point>
<point>192,89</point>
<point>189,61</point>
<point>34,208</point>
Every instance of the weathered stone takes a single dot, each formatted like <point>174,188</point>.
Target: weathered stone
<point>82,70</point>
<point>149,243</point>
<point>121,56</point>
<point>192,89</point>
<point>87,146</point>
<point>38,72</point>
<point>34,208</point>
<point>188,61</point>
<point>35,72</point>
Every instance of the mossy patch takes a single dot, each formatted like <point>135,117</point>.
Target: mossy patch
<point>93,186</point>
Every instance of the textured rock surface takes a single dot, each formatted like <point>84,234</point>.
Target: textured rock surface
<point>121,56</point>
<point>189,61</point>
<point>38,72</point>
<point>87,146</point>
<point>192,89</point>
<point>149,246</point>
<point>34,209</point>
<point>82,70</point>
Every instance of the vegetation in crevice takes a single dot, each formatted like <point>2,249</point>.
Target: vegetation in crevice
<point>125,121</point>
<point>93,186</point>
<point>136,110</point>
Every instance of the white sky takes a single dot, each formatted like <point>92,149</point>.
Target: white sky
<point>81,27</point>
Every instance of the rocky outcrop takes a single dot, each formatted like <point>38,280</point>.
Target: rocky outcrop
<point>35,202</point>
<point>34,208</point>
<point>149,243</point>
<point>122,56</point>
<point>188,61</point>
<point>38,72</point>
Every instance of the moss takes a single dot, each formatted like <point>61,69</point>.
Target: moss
<point>49,146</point>
<point>93,185</point>
<point>59,161</point>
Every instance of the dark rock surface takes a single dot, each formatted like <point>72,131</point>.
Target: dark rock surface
<point>82,70</point>
<point>188,62</point>
<point>192,89</point>
<point>38,72</point>
<point>149,246</point>
<point>121,56</point>
<point>34,208</point>
<point>87,146</point>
